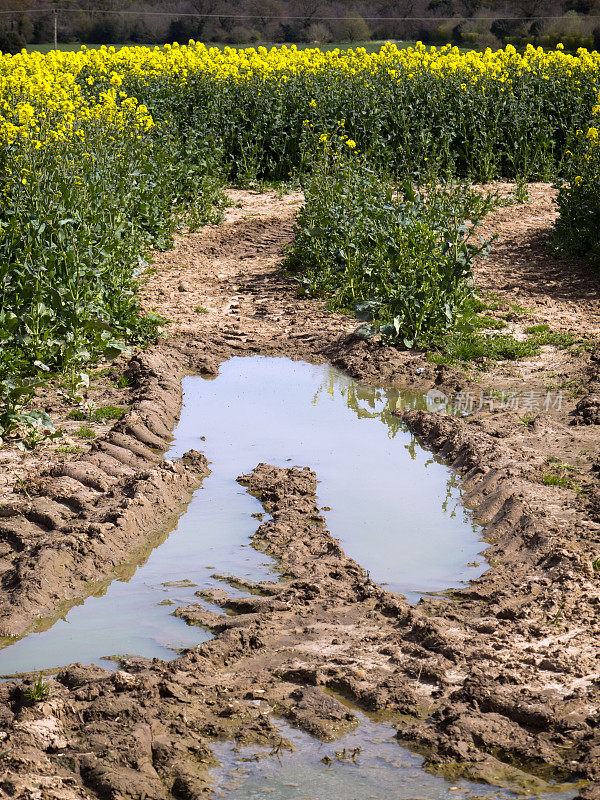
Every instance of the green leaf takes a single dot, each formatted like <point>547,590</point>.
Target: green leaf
<point>365,311</point>
<point>365,331</point>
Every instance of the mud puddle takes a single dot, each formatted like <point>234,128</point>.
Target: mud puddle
<point>394,507</point>
<point>367,764</point>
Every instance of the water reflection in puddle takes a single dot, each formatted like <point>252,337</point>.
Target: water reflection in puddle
<point>393,506</point>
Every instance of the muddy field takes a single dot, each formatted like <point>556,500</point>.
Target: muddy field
<point>499,681</point>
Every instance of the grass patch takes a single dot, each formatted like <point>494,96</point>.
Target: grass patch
<point>561,474</point>
<point>68,449</point>
<point>37,692</point>
<point>559,340</point>
<point>99,414</point>
<point>108,412</point>
<point>544,335</point>
<point>485,322</point>
<point>201,310</point>
<point>462,346</point>
<point>124,382</point>
<point>470,342</point>
<point>85,432</point>
<point>556,479</point>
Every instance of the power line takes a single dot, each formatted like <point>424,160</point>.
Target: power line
<point>199,15</point>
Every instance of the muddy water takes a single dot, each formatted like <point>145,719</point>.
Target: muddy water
<point>393,506</point>
<point>367,764</point>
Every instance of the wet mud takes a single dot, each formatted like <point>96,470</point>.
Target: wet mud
<point>499,681</point>
<point>146,730</point>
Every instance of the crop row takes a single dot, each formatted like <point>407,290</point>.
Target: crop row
<point>102,151</point>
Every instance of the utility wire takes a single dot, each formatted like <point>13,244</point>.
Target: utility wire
<point>199,15</point>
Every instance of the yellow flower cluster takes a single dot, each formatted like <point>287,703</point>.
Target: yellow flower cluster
<point>42,100</point>
<point>58,88</point>
<point>239,63</point>
<point>53,97</point>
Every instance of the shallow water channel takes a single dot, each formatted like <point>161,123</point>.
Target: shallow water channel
<point>367,764</point>
<point>394,507</point>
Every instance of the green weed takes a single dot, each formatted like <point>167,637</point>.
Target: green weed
<point>559,340</point>
<point>473,346</point>
<point>400,258</point>
<point>517,309</point>
<point>521,191</point>
<point>561,474</point>
<point>85,432</point>
<point>485,322</point>
<point>555,479</point>
<point>107,412</point>
<point>37,692</point>
<point>526,419</point>
<point>124,382</point>
<point>558,464</point>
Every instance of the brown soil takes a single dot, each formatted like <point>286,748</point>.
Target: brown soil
<point>500,677</point>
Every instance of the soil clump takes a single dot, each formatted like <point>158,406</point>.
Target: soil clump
<point>145,731</point>
<point>499,680</point>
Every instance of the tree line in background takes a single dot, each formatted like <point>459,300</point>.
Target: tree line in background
<point>470,23</point>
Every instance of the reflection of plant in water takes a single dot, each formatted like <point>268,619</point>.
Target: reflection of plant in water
<point>346,755</point>
<point>370,402</point>
<point>451,503</point>
<point>411,447</point>
<point>367,402</point>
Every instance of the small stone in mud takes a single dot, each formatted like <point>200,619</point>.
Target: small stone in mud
<point>184,286</point>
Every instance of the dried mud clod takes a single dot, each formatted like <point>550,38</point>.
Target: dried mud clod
<point>587,411</point>
<point>82,516</point>
<point>491,692</point>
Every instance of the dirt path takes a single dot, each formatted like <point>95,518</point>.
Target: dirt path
<point>561,293</point>
<point>503,676</point>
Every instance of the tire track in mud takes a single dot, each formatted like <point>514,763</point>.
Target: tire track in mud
<point>145,731</point>
<point>504,672</point>
<point>80,518</point>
